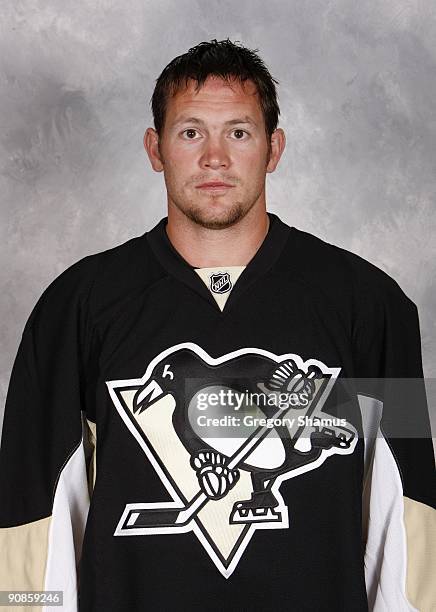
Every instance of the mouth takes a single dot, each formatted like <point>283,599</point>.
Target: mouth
<point>214,187</point>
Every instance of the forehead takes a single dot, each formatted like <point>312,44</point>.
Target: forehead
<point>218,96</point>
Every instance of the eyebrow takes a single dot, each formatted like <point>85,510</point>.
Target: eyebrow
<point>197,121</point>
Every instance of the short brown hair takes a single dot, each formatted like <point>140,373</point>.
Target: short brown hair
<point>224,59</point>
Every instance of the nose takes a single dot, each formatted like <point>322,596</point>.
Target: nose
<point>214,154</point>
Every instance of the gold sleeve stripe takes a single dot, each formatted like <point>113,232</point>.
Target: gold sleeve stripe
<point>23,551</point>
<point>420,523</point>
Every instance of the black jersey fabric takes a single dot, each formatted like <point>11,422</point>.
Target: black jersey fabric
<point>112,492</point>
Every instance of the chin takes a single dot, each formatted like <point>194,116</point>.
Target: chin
<point>210,219</point>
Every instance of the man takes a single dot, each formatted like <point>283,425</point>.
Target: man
<point>192,421</point>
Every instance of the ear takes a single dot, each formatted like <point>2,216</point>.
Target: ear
<point>151,145</point>
<point>278,143</point>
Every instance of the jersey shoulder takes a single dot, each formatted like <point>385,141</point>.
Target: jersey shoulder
<point>344,271</point>
<point>74,287</point>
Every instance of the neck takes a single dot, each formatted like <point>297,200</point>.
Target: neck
<point>203,248</point>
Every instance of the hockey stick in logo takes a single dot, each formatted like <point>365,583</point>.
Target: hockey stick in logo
<point>166,517</point>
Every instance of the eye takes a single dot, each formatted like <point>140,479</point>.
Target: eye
<point>189,130</point>
<point>239,131</point>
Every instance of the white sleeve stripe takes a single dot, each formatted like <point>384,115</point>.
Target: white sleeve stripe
<point>386,547</point>
<point>67,527</point>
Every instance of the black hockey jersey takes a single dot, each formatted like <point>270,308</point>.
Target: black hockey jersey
<point>233,438</point>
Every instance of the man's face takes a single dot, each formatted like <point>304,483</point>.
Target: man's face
<point>216,134</point>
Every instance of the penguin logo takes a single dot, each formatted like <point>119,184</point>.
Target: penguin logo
<point>225,487</point>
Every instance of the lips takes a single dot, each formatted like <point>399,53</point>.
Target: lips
<point>212,185</point>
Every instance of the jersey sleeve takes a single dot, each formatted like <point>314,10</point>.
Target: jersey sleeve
<point>44,475</point>
<point>399,515</point>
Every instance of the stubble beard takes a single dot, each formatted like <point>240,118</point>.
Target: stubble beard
<point>201,215</point>
<point>227,218</point>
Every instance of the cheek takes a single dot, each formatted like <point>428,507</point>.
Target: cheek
<point>254,166</point>
<point>253,157</point>
<point>183,164</point>
<point>178,169</point>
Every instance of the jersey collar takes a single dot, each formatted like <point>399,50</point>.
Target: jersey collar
<point>261,262</point>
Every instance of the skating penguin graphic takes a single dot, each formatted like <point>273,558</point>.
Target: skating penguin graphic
<point>224,478</point>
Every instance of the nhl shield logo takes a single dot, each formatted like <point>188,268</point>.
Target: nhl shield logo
<point>220,283</point>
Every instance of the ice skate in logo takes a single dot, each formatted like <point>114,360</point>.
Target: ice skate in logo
<point>220,282</point>
<point>224,487</point>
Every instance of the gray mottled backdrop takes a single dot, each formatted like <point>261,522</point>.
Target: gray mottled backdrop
<point>357,94</point>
